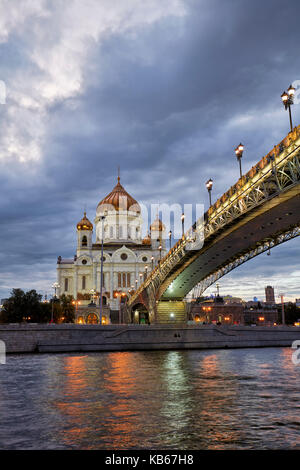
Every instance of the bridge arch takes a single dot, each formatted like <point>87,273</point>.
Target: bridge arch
<point>140,314</point>
<point>259,212</point>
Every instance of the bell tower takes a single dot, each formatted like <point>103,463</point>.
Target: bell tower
<point>84,235</point>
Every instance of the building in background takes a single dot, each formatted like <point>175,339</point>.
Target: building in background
<point>236,312</point>
<point>127,257</point>
<point>217,311</point>
<point>270,295</point>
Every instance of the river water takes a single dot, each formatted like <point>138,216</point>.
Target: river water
<point>185,400</point>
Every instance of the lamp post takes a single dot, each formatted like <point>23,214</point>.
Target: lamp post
<point>170,238</point>
<point>281,295</point>
<point>152,262</point>
<point>239,153</point>
<point>92,292</point>
<point>182,223</point>
<point>55,286</point>
<point>76,303</point>
<point>160,248</point>
<point>209,185</point>
<point>102,218</point>
<point>288,100</point>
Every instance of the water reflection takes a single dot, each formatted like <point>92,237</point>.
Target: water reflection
<point>161,400</point>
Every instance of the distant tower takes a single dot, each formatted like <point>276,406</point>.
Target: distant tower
<point>270,296</point>
<point>84,236</point>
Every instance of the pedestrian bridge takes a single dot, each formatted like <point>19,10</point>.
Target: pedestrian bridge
<point>259,212</point>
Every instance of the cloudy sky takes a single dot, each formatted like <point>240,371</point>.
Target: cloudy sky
<point>164,88</point>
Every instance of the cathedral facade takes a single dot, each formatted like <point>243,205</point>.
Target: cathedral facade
<point>127,257</point>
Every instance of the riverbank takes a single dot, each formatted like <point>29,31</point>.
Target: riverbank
<point>29,338</point>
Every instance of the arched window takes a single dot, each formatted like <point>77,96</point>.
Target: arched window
<point>84,241</point>
<point>83,282</point>
<point>66,284</point>
<point>111,232</point>
<point>120,232</point>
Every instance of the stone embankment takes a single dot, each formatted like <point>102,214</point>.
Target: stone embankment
<point>29,338</point>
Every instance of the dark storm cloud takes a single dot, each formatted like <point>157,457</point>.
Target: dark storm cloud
<point>168,101</point>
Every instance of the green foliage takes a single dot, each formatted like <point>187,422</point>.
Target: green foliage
<point>28,307</point>
<point>291,313</point>
<point>67,310</point>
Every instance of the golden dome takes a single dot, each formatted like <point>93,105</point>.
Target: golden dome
<point>157,225</point>
<point>147,240</point>
<point>84,224</point>
<point>119,199</point>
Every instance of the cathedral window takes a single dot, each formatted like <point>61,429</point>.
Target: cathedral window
<point>120,232</point>
<point>84,241</point>
<point>83,282</point>
<point>66,284</point>
<point>111,232</point>
<point>124,279</point>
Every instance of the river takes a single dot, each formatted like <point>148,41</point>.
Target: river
<point>186,400</point>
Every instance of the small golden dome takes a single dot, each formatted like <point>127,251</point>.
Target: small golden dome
<point>146,240</point>
<point>157,225</point>
<point>119,199</point>
<point>84,224</point>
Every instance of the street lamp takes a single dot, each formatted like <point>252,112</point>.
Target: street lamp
<point>152,262</point>
<point>92,292</point>
<point>182,223</point>
<point>239,153</point>
<point>55,286</point>
<point>76,303</point>
<point>120,295</point>
<point>288,100</point>
<point>209,185</point>
<point>160,248</point>
<point>170,238</point>
<point>102,218</point>
<point>281,295</point>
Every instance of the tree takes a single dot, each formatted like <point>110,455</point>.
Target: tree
<point>291,313</point>
<point>27,306</point>
<point>66,312</point>
<point>22,306</point>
